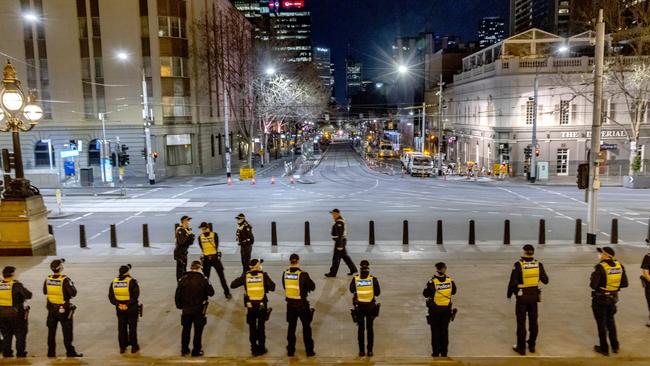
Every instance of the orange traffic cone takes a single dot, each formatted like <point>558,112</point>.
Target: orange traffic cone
<point>272,180</point>
<point>291,180</point>
<point>253,182</point>
<point>229,181</point>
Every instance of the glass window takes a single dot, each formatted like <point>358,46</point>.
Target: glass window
<point>175,27</point>
<point>99,69</point>
<point>565,109</point>
<point>41,156</point>
<point>163,26</point>
<point>176,106</point>
<point>530,112</point>
<point>165,66</point>
<point>562,167</point>
<point>177,66</point>
<point>96,28</point>
<point>179,149</point>
<point>83,28</point>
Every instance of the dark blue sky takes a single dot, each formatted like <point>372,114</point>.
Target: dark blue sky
<point>370,26</point>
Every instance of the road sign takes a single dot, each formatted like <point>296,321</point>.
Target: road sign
<point>69,153</point>
<point>246,173</point>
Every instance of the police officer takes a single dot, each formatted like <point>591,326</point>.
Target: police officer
<point>123,293</point>
<point>13,315</point>
<point>339,235</point>
<point>59,290</point>
<point>645,278</point>
<point>191,297</point>
<point>365,289</point>
<point>245,239</point>
<point>525,277</point>
<point>606,281</point>
<point>184,238</point>
<point>297,285</point>
<point>209,243</point>
<point>256,285</point>
<point>438,292</point>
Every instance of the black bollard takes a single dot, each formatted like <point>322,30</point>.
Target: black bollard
<point>50,229</point>
<point>472,234</point>
<point>82,236</point>
<point>578,237</point>
<point>506,232</point>
<point>145,235</point>
<point>274,234</point>
<point>371,232</point>
<point>614,233</point>
<point>542,232</point>
<point>113,236</point>
<point>307,234</point>
<point>439,232</point>
<point>647,237</point>
<point>405,232</point>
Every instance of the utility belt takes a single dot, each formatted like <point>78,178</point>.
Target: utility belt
<point>359,311</point>
<point>62,309</point>
<point>124,307</point>
<point>605,294</point>
<point>211,257</point>
<point>13,311</point>
<point>452,316</point>
<point>529,292</point>
<point>644,282</point>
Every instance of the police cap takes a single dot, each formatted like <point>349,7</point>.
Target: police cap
<point>294,257</point>
<point>56,264</point>
<point>8,271</point>
<point>124,269</point>
<point>185,217</point>
<point>204,225</point>
<point>606,250</point>
<point>255,261</point>
<point>336,210</point>
<point>529,249</point>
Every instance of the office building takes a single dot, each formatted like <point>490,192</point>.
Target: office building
<point>323,63</point>
<point>353,77</point>
<point>491,30</point>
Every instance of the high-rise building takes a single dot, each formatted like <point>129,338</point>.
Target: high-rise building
<point>549,15</point>
<point>290,32</point>
<point>491,30</point>
<point>323,63</point>
<point>353,77</point>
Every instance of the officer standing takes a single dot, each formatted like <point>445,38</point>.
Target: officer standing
<point>645,278</point>
<point>438,292</point>
<point>209,243</point>
<point>245,239</point>
<point>297,285</point>
<point>257,284</point>
<point>184,238</point>
<point>191,297</point>
<point>59,290</point>
<point>365,289</point>
<point>606,281</point>
<point>123,293</point>
<point>339,235</point>
<point>525,277</point>
<point>13,315</point>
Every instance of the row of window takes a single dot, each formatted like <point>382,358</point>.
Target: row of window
<point>171,27</point>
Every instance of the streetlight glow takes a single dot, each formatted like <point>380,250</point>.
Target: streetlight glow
<point>122,56</point>
<point>30,17</point>
<point>563,49</point>
<point>270,71</point>
<point>402,69</point>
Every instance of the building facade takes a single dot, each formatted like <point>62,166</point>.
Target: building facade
<point>491,108</point>
<point>491,30</point>
<point>553,16</point>
<point>353,77</point>
<point>87,58</point>
<point>323,62</point>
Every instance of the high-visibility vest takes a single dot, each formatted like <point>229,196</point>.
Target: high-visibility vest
<point>529,273</point>
<point>365,288</point>
<point>614,276</point>
<point>292,284</point>
<point>208,243</point>
<point>442,296</point>
<point>6,293</point>
<point>255,286</point>
<point>121,289</point>
<point>54,286</point>
<point>345,229</point>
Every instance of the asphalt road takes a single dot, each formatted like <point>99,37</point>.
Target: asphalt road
<point>362,193</point>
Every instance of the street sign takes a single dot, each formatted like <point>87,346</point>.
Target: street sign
<point>69,153</point>
<point>246,173</point>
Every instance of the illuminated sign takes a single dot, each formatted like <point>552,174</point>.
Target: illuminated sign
<point>287,4</point>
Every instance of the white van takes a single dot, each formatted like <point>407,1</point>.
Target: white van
<point>407,156</point>
<point>420,165</point>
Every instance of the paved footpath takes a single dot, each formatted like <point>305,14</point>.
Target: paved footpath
<point>481,335</point>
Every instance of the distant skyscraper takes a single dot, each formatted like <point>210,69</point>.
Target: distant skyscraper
<point>491,30</point>
<point>527,14</point>
<point>323,62</point>
<point>353,77</point>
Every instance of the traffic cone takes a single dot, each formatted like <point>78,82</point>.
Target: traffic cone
<point>230,181</point>
<point>272,180</point>
<point>291,180</point>
<point>253,182</point>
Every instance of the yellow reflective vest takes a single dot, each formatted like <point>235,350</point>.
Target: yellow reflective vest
<point>614,276</point>
<point>208,243</point>
<point>345,228</point>
<point>121,289</point>
<point>54,286</point>
<point>529,273</point>
<point>292,284</point>
<point>255,286</point>
<point>6,293</point>
<point>442,296</point>
<point>365,289</point>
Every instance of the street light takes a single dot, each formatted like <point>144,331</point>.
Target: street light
<point>270,71</point>
<point>30,17</point>
<point>402,69</point>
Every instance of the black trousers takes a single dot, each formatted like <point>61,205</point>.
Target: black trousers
<point>10,327</point>
<point>245,251</point>
<point>53,320</point>
<point>604,309</point>
<point>303,313</point>
<point>127,328</point>
<point>647,294</point>
<point>181,265</point>
<point>365,319</point>
<point>336,261</point>
<point>256,319</point>
<point>526,306</point>
<point>208,264</point>
<point>439,318</point>
<point>198,321</point>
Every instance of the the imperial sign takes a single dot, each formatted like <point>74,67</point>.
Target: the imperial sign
<point>603,134</point>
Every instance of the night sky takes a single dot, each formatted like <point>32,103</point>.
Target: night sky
<point>369,26</point>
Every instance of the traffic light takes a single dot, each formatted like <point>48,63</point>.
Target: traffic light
<point>537,152</point>
<point>583,176</point>
<point>113,159</point>
<point>528,151</point>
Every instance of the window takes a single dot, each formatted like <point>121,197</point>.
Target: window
<point>179,150</point>
<point>530,112</point>
<point>94,152</point>
<point>176,107</point>
<point>562,167</point>
<point>41,156</point>
<point>565,108</point>
<point>172,67</point>
<point>171,27</point>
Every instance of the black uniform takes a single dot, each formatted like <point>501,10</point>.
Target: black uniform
<point>214,261</point>
<point>439,318</point>
<point>527,299</point>
<point>299,309</point>
<point>646,285</point>
<point>339,236</point>
<point>184,238</point>
<point>258,312</point>
<point>127,314</point>
<point>13,320</point>
<point>60,313</point>
<point>365,313</point>
<point>192,295</point>
<point>603,305</point>
<point>246,240</point>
